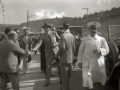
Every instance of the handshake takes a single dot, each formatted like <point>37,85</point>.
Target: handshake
<point>27,52</point>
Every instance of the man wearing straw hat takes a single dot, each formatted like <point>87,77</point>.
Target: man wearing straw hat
<point>91,54</point>
<point>25,43</point>
<point>51,47</point>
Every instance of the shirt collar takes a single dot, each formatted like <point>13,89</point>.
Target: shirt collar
<point>96,36</point>
<point>66,31</point>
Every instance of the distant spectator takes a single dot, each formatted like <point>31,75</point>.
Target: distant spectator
<point>4,36</point>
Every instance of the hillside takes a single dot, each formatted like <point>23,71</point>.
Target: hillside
<point>108,17</point>
<point>3,26</point>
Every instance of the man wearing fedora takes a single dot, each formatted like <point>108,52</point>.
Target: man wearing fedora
<point>66,53</point>
<point>91,54</point>
<point>51,47</point>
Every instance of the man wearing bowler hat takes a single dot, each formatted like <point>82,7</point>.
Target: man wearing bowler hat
<point>91,54</point>
<point>51,47</point>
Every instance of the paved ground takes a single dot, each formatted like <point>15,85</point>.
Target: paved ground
<point>35,80</point>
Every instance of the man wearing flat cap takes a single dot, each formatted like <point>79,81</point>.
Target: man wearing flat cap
<point>51,47</point>
<point>91,54</point>
<point>9,50</point>
<point>66,52</point>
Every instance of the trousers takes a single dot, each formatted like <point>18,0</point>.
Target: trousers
<point>65,75</point>
<point>13,77</point>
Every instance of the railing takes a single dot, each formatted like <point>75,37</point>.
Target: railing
<point>113,37</point>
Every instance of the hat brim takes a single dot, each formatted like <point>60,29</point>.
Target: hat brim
<point>94,23</point>
<point>46,26</point>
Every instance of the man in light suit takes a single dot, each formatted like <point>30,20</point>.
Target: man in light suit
<point>8,58</point>
<point>51,47</point>
<point>25,43</point>
<point>66,53</point>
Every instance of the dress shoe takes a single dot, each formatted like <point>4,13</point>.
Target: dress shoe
<point>52,75</point>
<point>25,72</point>
<point>46,84</point>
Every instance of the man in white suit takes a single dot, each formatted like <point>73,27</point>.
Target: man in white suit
<point>91,54</point>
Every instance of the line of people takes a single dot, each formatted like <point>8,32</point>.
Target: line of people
<point>62,49</point>
<point>13,49</point>
<point>89,55</point>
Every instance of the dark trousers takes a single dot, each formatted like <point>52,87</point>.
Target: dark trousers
<point>43,62</point>
<point>65,70</point>
<point>13,77</point>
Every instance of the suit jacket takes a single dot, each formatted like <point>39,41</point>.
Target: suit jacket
<point>67,47</point>
<point>22,42</point>
<point>8,55</point>
<point>50,41</point>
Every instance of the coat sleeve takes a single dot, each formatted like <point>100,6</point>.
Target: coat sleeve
<point>18,50</point>
<point>104,48</point>
<point>39,43</point>
<point>62,46</point>
<point>57,36</point>
<point>81,51</point>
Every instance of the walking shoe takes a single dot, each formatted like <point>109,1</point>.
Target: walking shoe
<point>25,72</point>
<point>46,84</point>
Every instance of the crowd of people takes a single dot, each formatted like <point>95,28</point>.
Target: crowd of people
<point>65,51</point>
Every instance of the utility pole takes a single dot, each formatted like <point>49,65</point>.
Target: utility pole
<point>87,16</point>
<point>27,18</point>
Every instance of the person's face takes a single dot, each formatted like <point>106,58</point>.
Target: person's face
<point>93,31</point>
<point>46,29</point>
<point>26,32</point>
<point>53,29</point>
<point>17,31</point>
<point>15,37</point>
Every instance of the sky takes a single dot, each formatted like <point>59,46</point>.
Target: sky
<point>15,11</point>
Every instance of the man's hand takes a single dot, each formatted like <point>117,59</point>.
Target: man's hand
<point>33,50</point>
<point>26,52</point>
<point>80,65</point>
<point>96,51</point>
<point>54,57</point>
<point>119,57</point>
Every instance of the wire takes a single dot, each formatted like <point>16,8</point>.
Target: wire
<point>14,9</point>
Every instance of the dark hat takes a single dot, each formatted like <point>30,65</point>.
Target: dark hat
<point>46,25</point>
<point>7,30</point>
<point>66,24</point>
<point>94,23</point>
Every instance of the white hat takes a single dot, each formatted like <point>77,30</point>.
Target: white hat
<point>25,28</point>
<point>95,23</point>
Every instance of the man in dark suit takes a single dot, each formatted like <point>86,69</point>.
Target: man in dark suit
<point>66,53</point>
<point>8,58</point>
<point>51,48</point>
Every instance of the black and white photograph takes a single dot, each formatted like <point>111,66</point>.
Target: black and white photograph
<point>59,44</point>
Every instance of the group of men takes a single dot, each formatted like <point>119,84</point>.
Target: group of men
<point>13,50</point>
<point>90,55</point>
